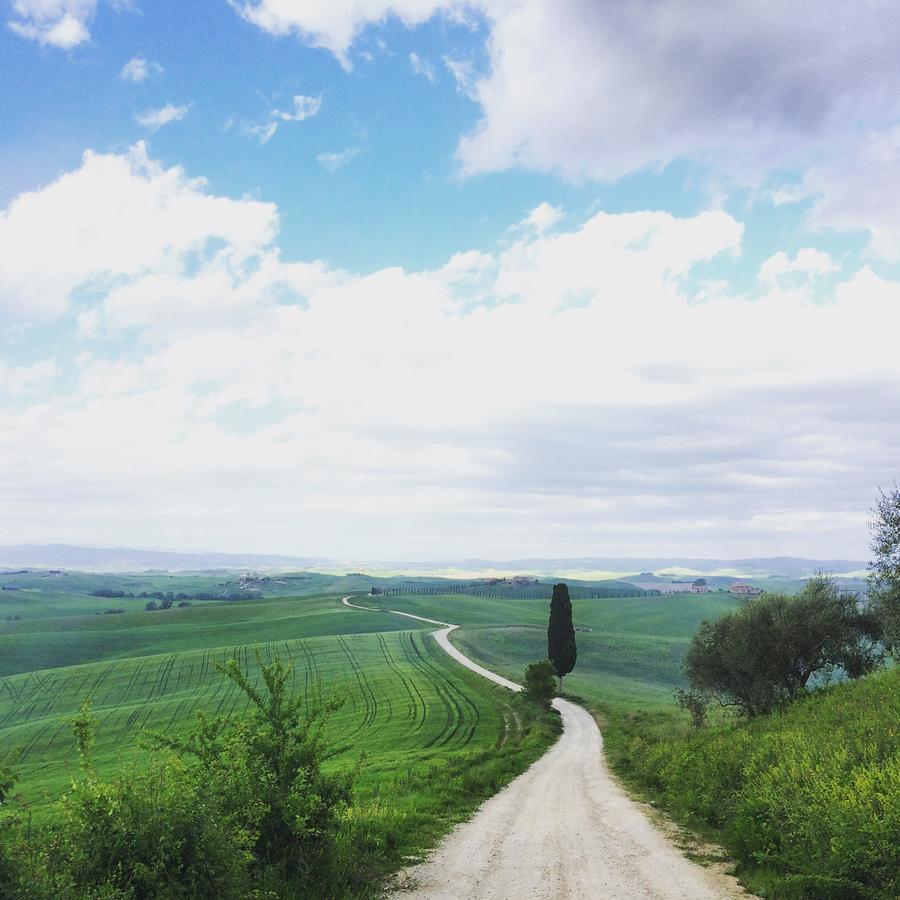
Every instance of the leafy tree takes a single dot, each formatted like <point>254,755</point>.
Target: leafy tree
<point>561,649</point>
<point>151,606</point>
<point>884,575</point>
<point>766,652</point>
<point>540,687</point>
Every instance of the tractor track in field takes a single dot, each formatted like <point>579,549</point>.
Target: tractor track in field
<point>563,829</point>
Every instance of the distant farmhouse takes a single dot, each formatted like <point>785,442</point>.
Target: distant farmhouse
<point>746,590</point>
<point>700,586</point>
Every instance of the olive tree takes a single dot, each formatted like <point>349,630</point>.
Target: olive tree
<point>769,651</point>
<point>884,570</point>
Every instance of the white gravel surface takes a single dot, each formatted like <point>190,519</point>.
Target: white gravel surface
<point>563,829</point>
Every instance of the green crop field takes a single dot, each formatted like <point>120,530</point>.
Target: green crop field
<point>631,655</point>
<point>408,711</point>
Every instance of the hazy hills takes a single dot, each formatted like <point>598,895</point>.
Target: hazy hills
<point>122,559</point>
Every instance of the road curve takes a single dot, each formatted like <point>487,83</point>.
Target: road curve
<point>564,829</point>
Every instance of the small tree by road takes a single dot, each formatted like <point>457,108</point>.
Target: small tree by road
<point>561,650</point>
<point>540,686</point>
<point>884,570</point>
<point>768,651</point>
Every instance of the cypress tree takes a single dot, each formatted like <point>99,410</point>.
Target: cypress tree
<point>561,650</point>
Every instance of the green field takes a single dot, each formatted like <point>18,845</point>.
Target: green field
<point>407,708</point>
<point>631,656</point>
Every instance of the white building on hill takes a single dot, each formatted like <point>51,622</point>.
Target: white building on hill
<point>747,590</point>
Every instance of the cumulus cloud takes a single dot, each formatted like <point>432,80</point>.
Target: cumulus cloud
<point>859,191</point>
<point>59,23</point>
<point>154,119</point>
<point>577,390</point>
<point>807,263</point>
<point>115,217</point>
<point>139,69</point>
<point>599,90</point>
<point>542,217</point>
<point>331,25</point>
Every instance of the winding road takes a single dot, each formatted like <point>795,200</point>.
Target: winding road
<point>562,830</point>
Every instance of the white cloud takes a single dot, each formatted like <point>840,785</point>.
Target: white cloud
<point>859,191</point>
<point>333,25</point>
<point>17,380</point>
<point>338,159</point>
<point>118,216</point>
<point>511,402</point>
<point>464,74</point>
<point>807,263</point>
<point>600,90</point>
<point>60,23</point>
<point>263,133</point>
<point>304,108</point>
<point>542,217</point>
<point>139,69</point>
<point>421,66</point>
<point>154,119</point>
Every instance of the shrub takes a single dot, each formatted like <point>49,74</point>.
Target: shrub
<point>810,795</point>
<point>540,683</point>
<point>265,774</point>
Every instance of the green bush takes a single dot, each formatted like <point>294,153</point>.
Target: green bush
<point>540,683</point>
<point>264,774</point>
<point>158,836</point>
<point>810,795</point>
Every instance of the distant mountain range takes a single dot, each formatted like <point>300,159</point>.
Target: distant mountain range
<point>120,559</point>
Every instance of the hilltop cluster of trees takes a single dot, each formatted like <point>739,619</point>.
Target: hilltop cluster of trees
<point>170,597</point>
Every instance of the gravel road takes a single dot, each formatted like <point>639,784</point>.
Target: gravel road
<point>564,829</point>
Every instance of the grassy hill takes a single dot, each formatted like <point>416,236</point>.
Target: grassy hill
<point>431,739</point>
<point>631,656</point>
<point>807,800</point>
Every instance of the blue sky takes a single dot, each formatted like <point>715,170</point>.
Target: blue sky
<point>428,278</point>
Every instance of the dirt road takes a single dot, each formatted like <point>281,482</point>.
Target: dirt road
<point>563,830</point>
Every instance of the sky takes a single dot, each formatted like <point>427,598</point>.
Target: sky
<point>436,279</point>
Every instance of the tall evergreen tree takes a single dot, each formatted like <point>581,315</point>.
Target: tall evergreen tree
<point>561,649</point>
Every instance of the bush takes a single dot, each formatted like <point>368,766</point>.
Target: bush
<point>238,807</point>
<point>540,683</point>
<point>810,796</point>
<point>265,775</point>
<point>158,836</point>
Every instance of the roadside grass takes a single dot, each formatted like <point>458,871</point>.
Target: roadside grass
<point>807,800</point>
